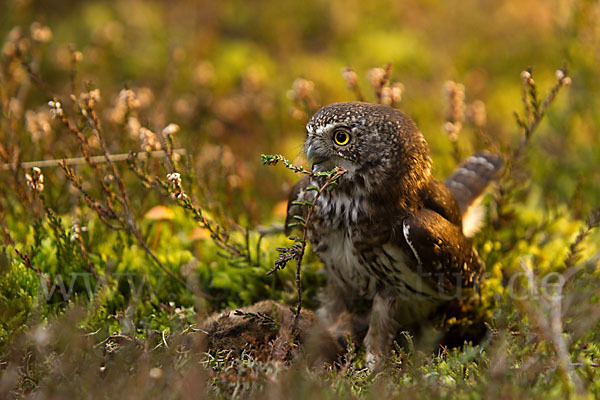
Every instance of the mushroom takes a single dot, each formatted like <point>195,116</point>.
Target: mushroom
<point>199,235</point>
<point>159,214</point>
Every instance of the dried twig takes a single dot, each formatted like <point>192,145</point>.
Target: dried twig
<point>593,221</point>
<point>296,251</point>
<point>258,317</point>
<point>351,79</point>
<point>143,155</point>
<point>27,262</point>
<point>533,113</point>
<point>548,316</point>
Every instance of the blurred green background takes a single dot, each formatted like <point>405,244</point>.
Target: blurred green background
<point>221,70</point>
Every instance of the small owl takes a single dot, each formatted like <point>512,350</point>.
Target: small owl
<point>390,236</point>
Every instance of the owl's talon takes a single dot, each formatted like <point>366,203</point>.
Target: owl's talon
<point>372,361</point>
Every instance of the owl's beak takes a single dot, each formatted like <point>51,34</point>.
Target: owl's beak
<point>313,157</point>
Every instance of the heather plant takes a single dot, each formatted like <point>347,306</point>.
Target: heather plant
<point>134,204</point>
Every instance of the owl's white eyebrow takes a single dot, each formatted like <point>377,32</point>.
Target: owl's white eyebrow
<point>325,128</point>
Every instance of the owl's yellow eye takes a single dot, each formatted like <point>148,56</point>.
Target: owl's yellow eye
<point>341,138</point>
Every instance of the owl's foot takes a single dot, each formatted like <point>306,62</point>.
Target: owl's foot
<point>382,328</point>
<point>374,362</point>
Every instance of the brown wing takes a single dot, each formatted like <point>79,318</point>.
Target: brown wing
<point>294,209</point>
<point>437,197</point>
<point>441,249</point>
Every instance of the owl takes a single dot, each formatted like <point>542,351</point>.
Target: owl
<point>391,237</point>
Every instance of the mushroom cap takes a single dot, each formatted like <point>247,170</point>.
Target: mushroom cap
<point>159,213</point>
<point>199,233</point>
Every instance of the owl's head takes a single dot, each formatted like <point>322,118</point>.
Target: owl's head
<point>379,146</point>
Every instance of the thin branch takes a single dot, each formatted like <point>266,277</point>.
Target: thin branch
<point>535,116</point>
<point>593,221</point>
<point>144,155</point>
<point>27,262</point>
<point>297,250</point>
<point>330,181</point>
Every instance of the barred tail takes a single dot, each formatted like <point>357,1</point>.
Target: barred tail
<point>471,178</point>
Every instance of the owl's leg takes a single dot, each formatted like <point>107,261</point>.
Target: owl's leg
<point>334,314</point>
<point>332,302</point>
<point>382,329</point>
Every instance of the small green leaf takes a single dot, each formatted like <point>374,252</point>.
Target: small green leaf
<point>299,218</point>
<point>303,203</point>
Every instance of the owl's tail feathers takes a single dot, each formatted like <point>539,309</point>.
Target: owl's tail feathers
<point>471,177</point>
<point>468,182</point>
